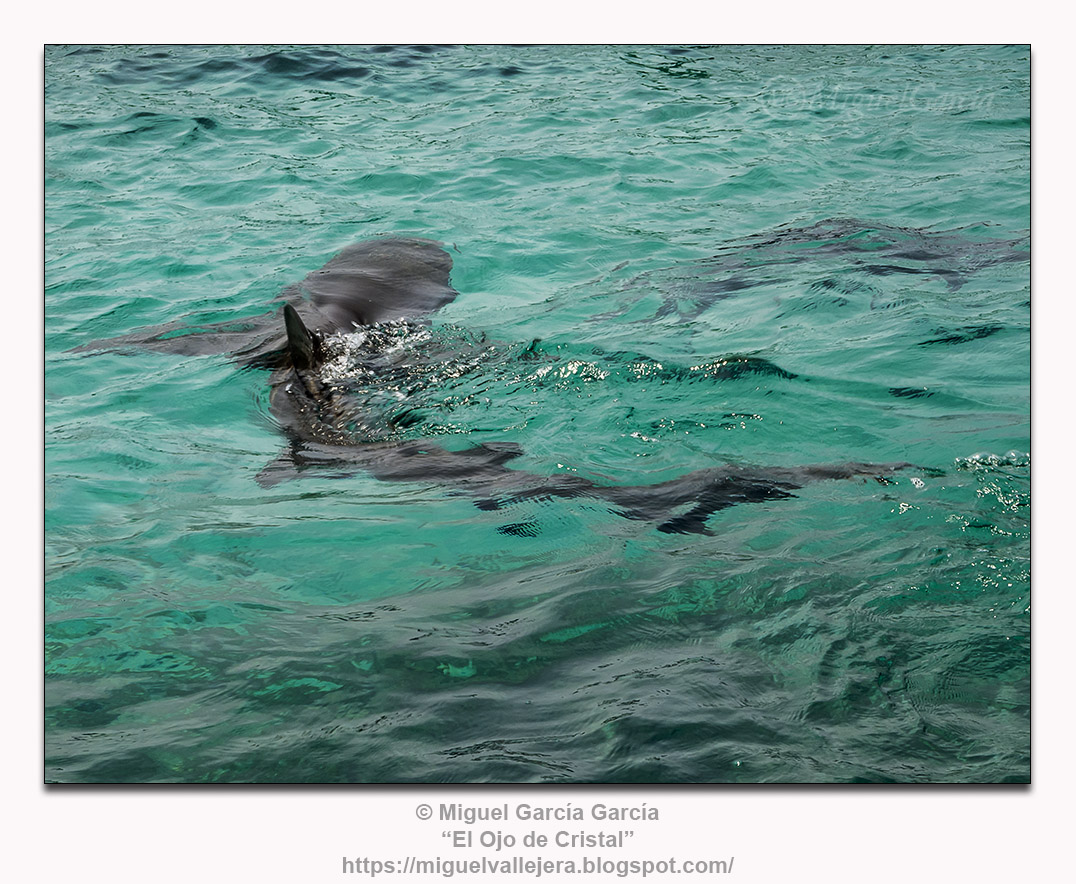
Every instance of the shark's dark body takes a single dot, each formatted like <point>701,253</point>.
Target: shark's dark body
<point>866,248</point>
<point>376,281</point>
<point>389,280</point>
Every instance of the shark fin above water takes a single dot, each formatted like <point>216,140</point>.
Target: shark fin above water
<point>302,349</point>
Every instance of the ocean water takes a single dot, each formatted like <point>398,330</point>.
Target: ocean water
<point>668,259</point>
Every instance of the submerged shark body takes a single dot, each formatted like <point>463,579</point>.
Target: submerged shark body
<point>848,253</point>
<point>379,285</point>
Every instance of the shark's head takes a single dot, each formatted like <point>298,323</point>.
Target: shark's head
<point>378,280</point>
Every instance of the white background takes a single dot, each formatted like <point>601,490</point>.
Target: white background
<point>846,834</point>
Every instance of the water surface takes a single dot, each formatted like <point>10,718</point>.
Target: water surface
<point>759,256</point>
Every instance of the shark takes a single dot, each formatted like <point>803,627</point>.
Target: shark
<point>848,255</point>
<point>351,315</point>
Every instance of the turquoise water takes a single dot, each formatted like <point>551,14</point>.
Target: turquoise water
<point>761,256</point>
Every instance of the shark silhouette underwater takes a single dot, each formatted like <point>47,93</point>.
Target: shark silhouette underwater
<point>379,284</point>
<point>846,254</point>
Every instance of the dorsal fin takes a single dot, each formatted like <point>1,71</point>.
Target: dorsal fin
<point>301,345</point>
